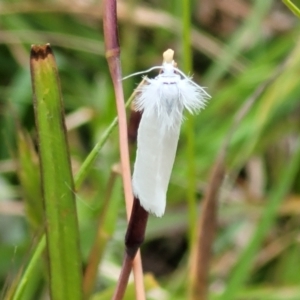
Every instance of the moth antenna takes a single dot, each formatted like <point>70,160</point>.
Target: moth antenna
<point>189,79</point>
<point>182,74</point>
<point>142,72</point>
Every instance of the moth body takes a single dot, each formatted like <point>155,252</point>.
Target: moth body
<point>162,101</point>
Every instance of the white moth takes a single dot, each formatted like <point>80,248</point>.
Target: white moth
<point>162,101</point>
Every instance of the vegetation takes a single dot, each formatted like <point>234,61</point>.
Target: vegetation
<point>247,55</point>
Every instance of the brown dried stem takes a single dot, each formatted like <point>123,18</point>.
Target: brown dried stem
<point>205,234</point>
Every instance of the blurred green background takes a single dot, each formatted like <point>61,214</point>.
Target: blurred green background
<point>243,52</point>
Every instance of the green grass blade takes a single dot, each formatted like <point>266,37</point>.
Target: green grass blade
<point>233,49</point>
<point>57,182</point>
<point>292,7</point>
<point>31,268</point>
<point>245,262</point>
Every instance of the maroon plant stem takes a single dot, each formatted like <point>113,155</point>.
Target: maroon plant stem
<point>136,228</point>
<point>134,238</point>
<point>134,121</point>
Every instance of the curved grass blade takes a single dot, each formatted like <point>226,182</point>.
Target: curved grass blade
<point>62,234</point>
<point>278,193</point>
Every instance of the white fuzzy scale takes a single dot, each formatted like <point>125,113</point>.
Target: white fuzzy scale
<point>162,101</point>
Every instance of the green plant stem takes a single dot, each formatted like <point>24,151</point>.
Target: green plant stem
<point>64,259</point>
<point>189,129</point>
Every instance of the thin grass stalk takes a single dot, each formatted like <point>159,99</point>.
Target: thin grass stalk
<point>102,236</point>
<point>294,8</point>
<point>113,57</point>
<point>91,158</point>
<point>190,124</point>
<point>35,259</point>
